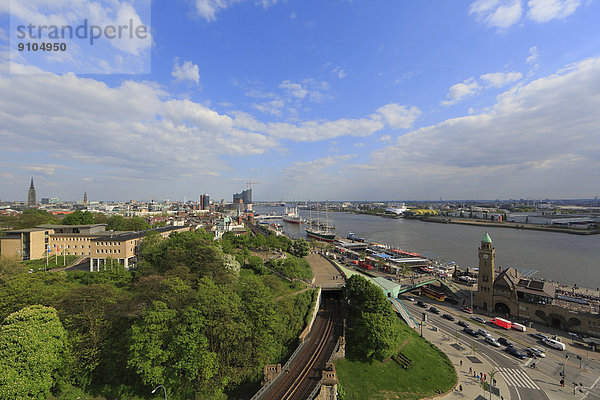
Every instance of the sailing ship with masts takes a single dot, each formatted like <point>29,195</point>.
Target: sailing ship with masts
<point>320,232</point>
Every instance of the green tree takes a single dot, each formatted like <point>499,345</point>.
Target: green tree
<point>32,351</point>
<point>79,218</point>
<point>300,248</point>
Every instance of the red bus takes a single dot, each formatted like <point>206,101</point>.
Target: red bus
<point>503,323</point>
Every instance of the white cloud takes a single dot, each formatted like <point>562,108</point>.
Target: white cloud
<point>533,55</point>
<point>294,89</point>
<point>208,9</point>
<point>341,73</point>
<point>187,71</point>
<point>500,79</point>
<point>461,91</point>
<point>538,138</point>
<point>547,10</point>
<point>398,116</point>
<point>497,13</point>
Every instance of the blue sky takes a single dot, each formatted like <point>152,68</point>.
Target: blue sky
<point>359,100</point>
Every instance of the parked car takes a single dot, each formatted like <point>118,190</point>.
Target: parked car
<point>492,341</point>
<point>538,336</point>
<point>448,317</point>
<point>482,332</point>
<point>504,341</point>
<point>467,310</point>
<point>478,319</point>
<point>421,304</point>
<point>434,310</point>
<point>470,331</point>
<point>536,352</point>
<point>514,352</point>
<point>464,324</point>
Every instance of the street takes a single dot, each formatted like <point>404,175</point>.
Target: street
<point>524,382</point>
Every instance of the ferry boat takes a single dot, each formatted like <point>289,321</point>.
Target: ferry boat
<point>352,236</point>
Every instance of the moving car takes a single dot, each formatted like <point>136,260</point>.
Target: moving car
<point>410,298</point>
<point>514,352</point>
<point>536,352</point>
<point>504,341</point>
<point>478,319</point>
<point>470,331</point>
<point>421,304</point>
<point>492,341</point>
<point>434,310</point>
<point>482,332</point>
<point>467,310</point>
<point>464,324</point>
<point>448,317</point>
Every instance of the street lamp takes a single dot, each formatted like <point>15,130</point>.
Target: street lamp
<point>160,386</point>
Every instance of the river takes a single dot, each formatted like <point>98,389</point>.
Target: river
<point>561,257</point>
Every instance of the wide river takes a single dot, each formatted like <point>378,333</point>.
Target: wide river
<point>561,257</point>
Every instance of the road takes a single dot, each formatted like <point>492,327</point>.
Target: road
<point>523,382</point>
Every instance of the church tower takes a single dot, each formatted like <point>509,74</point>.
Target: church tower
<point>485,288</point>
<point>31,200</point>
<point>85,198</point>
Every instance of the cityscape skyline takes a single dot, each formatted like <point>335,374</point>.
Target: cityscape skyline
<point>313,100</point>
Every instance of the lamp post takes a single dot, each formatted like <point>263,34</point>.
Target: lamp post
<point>160,386</point>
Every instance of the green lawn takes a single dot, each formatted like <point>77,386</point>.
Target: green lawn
<point>431,371</point>
<point>40,264</point>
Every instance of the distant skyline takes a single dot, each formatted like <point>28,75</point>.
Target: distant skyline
<point>313,100</point>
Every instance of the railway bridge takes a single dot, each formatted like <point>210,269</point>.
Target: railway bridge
<point>310,367</point>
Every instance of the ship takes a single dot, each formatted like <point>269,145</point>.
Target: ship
<point>353,237</point>
<point>319,233</point>
<point>291,215</point>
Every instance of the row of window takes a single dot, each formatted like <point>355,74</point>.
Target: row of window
<point>109,251</point>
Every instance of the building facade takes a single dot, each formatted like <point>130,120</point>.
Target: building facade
<point>508,293</point>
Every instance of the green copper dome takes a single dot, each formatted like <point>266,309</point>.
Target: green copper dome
<point>486,238</point>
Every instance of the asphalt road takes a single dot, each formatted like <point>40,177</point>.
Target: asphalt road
<point>524,382</point>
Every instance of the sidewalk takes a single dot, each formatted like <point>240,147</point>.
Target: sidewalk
<point>458,351</point>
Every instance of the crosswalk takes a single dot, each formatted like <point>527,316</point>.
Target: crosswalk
<point>518,378</point>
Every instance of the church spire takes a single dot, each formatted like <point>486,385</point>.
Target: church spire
<point>31,200</point>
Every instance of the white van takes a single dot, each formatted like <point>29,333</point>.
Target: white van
<point>555,344</point>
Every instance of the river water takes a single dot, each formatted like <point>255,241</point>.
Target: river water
<point>561,257</point>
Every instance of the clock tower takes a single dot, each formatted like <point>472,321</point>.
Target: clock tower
<point>485,288</point>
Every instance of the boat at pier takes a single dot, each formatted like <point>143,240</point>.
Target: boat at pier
<point>352,236</point>
<point>320,232</point>
<point>291,215</point>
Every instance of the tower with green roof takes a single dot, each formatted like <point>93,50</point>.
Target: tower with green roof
<point>484,298</point>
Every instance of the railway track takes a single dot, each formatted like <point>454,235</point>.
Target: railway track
<point>305,372</point>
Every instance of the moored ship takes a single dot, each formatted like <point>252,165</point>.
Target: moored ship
<point>291,215</point>
<point>320,231</point>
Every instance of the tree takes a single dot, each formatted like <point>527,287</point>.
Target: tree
<point>300,248</point>
<point>79,218</point>
<point>32,351</point>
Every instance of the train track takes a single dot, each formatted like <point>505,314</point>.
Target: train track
<point>305,372</point>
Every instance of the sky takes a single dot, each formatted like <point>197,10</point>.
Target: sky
<point>308,99</point>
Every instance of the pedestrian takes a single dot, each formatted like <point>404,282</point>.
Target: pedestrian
<point>494,382</point>
<point>461,363</point>
<point>470,370</point>
<point>460,387</point>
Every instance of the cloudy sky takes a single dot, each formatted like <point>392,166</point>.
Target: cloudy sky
<point>311,99</point>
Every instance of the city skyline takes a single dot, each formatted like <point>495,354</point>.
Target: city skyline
<point>313,100</point>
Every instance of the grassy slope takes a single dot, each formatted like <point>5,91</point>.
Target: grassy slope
<point>431,370</point>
